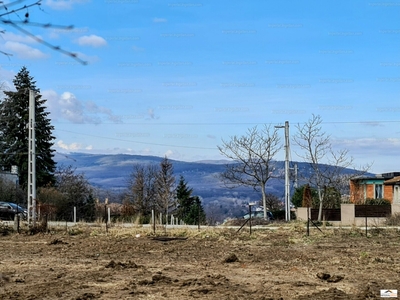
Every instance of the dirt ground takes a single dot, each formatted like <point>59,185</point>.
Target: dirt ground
<point>214,264</point>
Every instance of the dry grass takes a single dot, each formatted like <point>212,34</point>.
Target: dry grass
<point>286,230</point>
<point>393,220</point>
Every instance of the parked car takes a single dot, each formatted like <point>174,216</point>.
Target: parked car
<point>8,210</point>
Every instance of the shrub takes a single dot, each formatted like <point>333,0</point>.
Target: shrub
<point>378,201</point>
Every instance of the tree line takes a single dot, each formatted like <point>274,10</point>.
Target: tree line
<point>154,188</point>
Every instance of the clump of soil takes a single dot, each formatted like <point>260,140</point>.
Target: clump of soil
<point>57,242</point>
<point>112,264</point>
<point>231,258</point>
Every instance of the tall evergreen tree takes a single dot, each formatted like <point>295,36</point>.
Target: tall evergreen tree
<point>14,117</point>
<point>189,209</point>
<point>298,196</point>
<point>196,213</point>
<point>184,198</point>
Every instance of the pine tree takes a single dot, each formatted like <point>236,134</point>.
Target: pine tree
<point>298,195</point>
<point>14,117</point>
<point>196,214</point>
<point>189,209</point>
<point>184,198</point>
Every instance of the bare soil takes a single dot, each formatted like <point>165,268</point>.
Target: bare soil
<point>210,264</point>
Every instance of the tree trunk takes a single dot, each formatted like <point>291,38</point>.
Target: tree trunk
<point>320,204</point>
<point>264,200</point>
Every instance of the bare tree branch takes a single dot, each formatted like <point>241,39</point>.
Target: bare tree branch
<point>316,146</point>
<point>252,156</point>
<point>26,22</point>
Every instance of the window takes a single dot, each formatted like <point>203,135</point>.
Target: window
<point>378,191</point>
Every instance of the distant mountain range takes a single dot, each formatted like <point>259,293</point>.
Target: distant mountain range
<point>111,172</point>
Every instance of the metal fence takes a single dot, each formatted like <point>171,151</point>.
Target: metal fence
<point>328,214</point>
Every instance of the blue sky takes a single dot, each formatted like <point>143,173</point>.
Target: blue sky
<point>175,78</point>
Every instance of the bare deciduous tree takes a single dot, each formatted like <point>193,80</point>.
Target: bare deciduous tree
<point>141,186</point>
<point>70,190</point>
<point>252,156</point>
<point>273,202</point>
<point>165,188</point>
<point>317,148</point>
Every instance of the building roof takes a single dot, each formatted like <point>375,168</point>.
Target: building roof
<point>388,177</point>
<point>366,177</point>
<point>394,180</point>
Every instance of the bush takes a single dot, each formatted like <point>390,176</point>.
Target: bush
<point>378,201</point>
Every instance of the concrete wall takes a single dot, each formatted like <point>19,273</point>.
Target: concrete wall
<point>395,209</point>
<point>301,213</point>
<point>369,221</point>
<point>347,214</point>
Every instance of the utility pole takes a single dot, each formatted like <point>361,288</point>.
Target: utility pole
<point>32,161</point>
<point>287,184</point>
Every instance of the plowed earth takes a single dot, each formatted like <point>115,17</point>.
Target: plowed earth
<point>210,264</point>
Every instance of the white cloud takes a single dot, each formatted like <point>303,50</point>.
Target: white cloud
<point>63,4</point>
<point>23,51</point>
<point>72,146</point>
<point>159,20</point>
<point>382,152</point>
<point>169,153</point>
<point>66,106</point>
<point>92,40</point>
<point>379,146</point>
